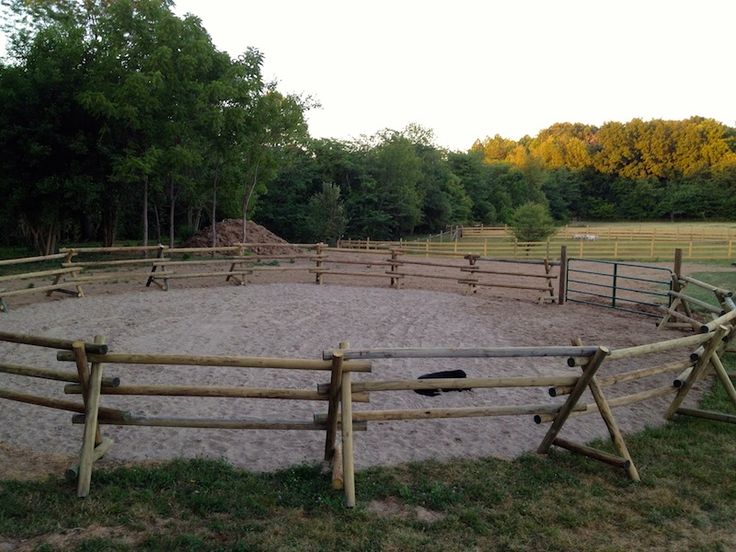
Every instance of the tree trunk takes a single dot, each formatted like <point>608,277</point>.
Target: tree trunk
<point>158,223</point>
<point>213,218</point>
<point>246,201</point>
<point>145,213</point>
<point>172,202</point>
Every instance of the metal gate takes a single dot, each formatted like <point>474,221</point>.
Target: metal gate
<point>630,287</point>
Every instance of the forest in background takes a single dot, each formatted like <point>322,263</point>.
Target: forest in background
<point>121,120</point>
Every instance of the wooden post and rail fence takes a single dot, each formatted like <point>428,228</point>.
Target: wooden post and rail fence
<point>585,369</point>
<point>235,264</point>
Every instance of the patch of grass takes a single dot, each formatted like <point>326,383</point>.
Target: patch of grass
<point>725,280</point>
<point>686,501</point>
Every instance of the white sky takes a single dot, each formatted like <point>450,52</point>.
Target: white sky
<point>471,68</point>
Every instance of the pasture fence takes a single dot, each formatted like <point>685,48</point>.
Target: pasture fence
<point>583,246</point>
<point>235,264</point>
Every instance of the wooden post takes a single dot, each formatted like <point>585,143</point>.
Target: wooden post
<point>318,264</point>
<point>698,370</point>
<point>334,403</point>
<point>347,440</point>
<point>485,247</point>
<point>563,276</point>
<point>91,429</point>
<point>80,359</point>
<point>394,267</point>
<point>590,369</point>
<point>165,285</point>
<point>605,410</point>
<point>472,260</point>
<point>677,269</point>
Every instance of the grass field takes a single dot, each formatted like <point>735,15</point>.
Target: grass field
<point>686,501</point>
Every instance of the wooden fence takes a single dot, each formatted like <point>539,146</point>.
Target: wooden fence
<point>162,266</point>
<point>619,231</point>
<point>653,248</point>
<point>565,390</point>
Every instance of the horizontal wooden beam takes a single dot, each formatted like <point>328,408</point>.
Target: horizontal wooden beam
<point>50,342</point>
<point>463,383</point>
<point>590,452</point>
<point>25,260</point>
<point>37,274</point>
<point>215,423</point>
<point>57,404</point>
<point>229,361</point>
<point>213,391</point>
<point>487,352</point>
<point>461,412</point>
<point>707,414</point>
<point>56,375</point>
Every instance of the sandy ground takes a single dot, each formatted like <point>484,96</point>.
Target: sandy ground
<point>289,317</point>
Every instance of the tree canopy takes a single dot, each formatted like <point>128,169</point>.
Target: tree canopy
<point>118,117</point>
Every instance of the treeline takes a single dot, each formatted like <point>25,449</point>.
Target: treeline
<point>122,120</point>
<point>398,183</point>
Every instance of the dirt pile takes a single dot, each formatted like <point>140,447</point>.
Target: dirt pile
<point>230,232</point>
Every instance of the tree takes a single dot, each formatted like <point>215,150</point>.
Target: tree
<point>532,222</point>
<point>326,217</point>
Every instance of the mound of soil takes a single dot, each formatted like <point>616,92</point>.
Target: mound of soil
<point>230,232</point>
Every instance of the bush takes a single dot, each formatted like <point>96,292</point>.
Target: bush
<point>532,222</point>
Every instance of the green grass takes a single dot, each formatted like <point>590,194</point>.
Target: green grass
<point>686,501</point>
<point>725,280</point>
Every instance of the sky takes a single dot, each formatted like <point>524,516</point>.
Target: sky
<point>468,69</point>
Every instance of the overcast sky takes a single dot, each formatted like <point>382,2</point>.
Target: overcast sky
<point>469,69</point>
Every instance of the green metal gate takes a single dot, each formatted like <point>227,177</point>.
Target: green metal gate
<point>635,288</point>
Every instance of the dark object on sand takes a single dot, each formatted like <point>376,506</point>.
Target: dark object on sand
<point>446,374</point>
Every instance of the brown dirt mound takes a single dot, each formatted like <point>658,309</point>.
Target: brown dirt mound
<point>230,232</point>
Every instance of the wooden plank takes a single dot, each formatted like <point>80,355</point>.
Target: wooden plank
<point>37,274</point>
<point>512,286</point>
<point>80,359</point>
<point>213,391</point>
<point>50,287</point>
<point>611,424</point>
<point>705,285</point>
<point>179,275</point>
<point>463,383</point>
<point>707,414</point>
<point>117,249</point>
<point>660,346</point>
<point>720,321</point>
<point>572,400</point>
<point>485,352</point>
<point>509,273</point>
<point>347,440</point>
<point>55,375</point>
<point>92,434</point>
<point>72,472</point>
<point>590,452</point>
<point>710,348</point>
<point>119,262</point>
<point>702,304</point>
<point>25,260</point>
<point>345,273</point>
<point>456,412</point>
<point>333,406</point>
<point>58,404</point>
<point>230,361</point>
<point>214,423</point>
